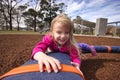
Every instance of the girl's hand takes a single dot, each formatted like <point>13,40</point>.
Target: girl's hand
<point>76,65</point>
<point>47,61</point>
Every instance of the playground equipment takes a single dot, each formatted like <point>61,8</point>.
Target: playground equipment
<point>30,71</point>
<point>104,49</point>
<point>99,49</point>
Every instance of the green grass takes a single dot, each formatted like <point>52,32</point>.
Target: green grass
<point>18,32</point>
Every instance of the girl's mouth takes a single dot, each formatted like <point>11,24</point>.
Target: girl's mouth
<point>62,40</point>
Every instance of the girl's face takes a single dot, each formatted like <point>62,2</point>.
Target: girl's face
<point>60,33</point>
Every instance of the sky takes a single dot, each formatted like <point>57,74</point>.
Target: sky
<point>92,9</point>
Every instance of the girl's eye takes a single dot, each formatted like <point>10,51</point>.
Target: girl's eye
<point>67,33</point>
<point>59,32</point>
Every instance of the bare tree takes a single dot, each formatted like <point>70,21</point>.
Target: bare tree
<point>3,13</point>
<point>8,6</point>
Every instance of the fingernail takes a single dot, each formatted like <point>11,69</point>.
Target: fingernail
<point>41,70</point>
<point>60,68</point>
<point>56,71</point>
<point>49,71</point>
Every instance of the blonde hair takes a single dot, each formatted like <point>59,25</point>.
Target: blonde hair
<point>65,20</point>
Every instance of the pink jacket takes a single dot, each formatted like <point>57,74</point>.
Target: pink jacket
<point>48,41</point>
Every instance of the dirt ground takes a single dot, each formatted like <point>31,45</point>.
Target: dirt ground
<point>16,49</point>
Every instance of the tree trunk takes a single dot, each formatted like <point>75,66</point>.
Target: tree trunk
<point>10,22</point>
<point>18,28</point>
<point>35,24</point>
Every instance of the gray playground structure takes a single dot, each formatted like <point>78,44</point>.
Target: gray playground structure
<point>100,28</point>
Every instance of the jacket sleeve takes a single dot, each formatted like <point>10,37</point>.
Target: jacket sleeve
<point>42,45</point>
<point>86,47</point>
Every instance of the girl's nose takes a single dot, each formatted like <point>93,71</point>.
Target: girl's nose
<point>63,35</point>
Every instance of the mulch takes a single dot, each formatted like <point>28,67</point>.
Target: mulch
<point>15,49</point>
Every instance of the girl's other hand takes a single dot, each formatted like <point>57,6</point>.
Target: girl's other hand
<point>76,65</point>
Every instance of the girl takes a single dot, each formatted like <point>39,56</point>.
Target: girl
<point>59,39</point>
